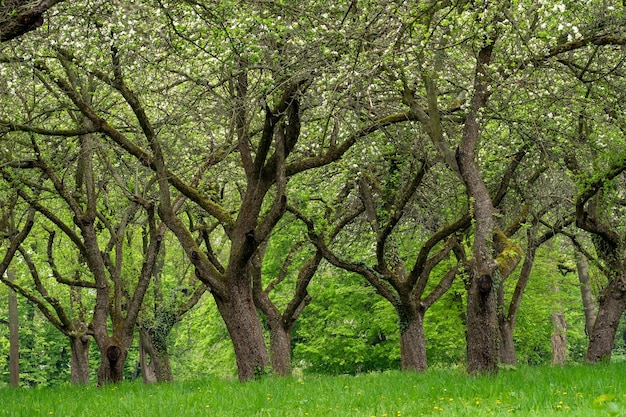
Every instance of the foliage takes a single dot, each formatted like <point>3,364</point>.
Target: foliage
<point>199,345</point>
<point>347,330</point>
<point>44,353</point>
<point>378,89</point>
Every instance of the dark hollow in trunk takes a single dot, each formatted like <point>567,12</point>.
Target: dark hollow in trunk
<point>112,362</point>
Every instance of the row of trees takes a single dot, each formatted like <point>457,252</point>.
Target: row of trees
<point>411,144</point>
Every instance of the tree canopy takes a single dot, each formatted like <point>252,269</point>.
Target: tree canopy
<point>432,149</point>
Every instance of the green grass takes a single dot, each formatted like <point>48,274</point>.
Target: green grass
<point>539,391</point>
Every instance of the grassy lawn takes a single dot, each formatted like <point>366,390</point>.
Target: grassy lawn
<point>539,391</point>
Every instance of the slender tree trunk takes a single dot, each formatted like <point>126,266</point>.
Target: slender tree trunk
<point>280,349</point>
<point>611,307</point>
<point>14,335</point>
<point>79,347</point>
<point>244,327</point>
<point>589,302</point>
<point>507,348</point>
<point>147,367</point>
<point>559,338</point>
<point>507,321</point>
<point>413,343</point>
<point>154,346</point>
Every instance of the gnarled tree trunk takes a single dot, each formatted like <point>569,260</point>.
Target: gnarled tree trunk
<point>483,335</point>
<point>280,349</point>
<point>112,360</point>
<point>507,347</point>
<point>612,304</point>
<point>244,327</point>
<point>152,345</point>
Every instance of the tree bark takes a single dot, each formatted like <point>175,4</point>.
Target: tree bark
<point>413,342</point>
<point>112,360</point>
<point>589,302</point>
<point>18,17</point>
<point>153,345</point>
<point>559,338</point>
<point>612,304</point>
<point>280,349</point>
<point>483,335</point>
<point>483,338</point>
<point>507,347</point>
<point>79,366</point>
<point>244,327</point>
<point>148,373</point>
<point>507,321</point>
<point>14,335</point>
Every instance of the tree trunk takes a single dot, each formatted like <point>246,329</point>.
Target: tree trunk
<point>611,306</point>
<point>79,346</point>
<point>483,335</point>
<point>507,321</point>
<point>589,302</point>
<point>413,343</point>
<point>280,349</point>
<point>147,368</point>
<point>112,360</point>
<point>559,338</point>
<point>507,348</point>
<point>14,335</point>
<point>244,327</point>
<point>159,368</point>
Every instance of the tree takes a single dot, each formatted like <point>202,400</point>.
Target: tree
<point>505,45</point>
<point>175,291</point>
<point>257,141</point>
<point>388,211</point>
<point>281,323</point>
<point>116,298</point>
<point>14,336</point>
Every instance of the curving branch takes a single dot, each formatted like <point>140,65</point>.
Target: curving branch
<point>18,17</point>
